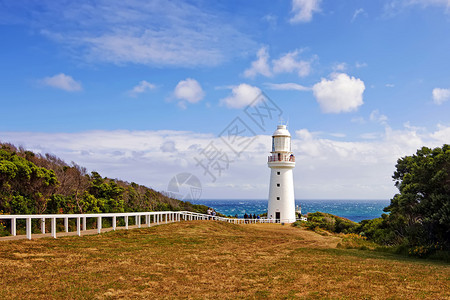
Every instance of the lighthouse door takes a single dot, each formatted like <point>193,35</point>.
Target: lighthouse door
<point>277,217</point>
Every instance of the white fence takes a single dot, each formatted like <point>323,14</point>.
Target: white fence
<point>150,219</point>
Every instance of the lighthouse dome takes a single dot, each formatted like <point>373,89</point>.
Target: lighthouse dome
<point>281,131</point>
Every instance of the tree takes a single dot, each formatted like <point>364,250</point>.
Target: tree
<point>24,187</point>
<point>420,212</point>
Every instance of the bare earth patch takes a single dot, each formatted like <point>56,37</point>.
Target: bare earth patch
<point>205,260</point>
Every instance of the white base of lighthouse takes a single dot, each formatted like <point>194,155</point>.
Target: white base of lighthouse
<point>281,195</point>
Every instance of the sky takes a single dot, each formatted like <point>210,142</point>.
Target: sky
<point>145,90</point>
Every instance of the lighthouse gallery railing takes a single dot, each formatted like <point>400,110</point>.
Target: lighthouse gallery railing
<point>282,157</point>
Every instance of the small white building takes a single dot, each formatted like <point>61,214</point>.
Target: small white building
<point>281,189</point>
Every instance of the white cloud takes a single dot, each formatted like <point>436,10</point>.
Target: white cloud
<point>362,169</point>
<point>188,90</point>
<point>375,116</point>
<point>142,87</point>
<point>63,82</point>
<point>389,85</point>
<point>287,86</point>
<point>157,32</point>
<point>168,146</point>
<point>442,134</point>
<point>440,95</point>
<point>358,12</point>
<point>303,10</point>
<point>341,93</point>
<point>289,63</point>
<point>241,96</point>
<point>326,168</point>
<point>340,67</point>
<point>259,66</point>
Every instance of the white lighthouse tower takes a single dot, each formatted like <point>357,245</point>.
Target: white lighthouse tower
<point>281,192</point>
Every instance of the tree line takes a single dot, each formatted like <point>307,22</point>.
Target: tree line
<point>32,183</point>
<point>417,221</point>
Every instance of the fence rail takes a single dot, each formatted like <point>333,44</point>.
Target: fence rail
<point>150,219</point>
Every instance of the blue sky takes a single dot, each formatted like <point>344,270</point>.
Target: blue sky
<point>138,89</point>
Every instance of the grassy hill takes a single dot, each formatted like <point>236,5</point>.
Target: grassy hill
<point>33,183</point>
<point>205,259</point>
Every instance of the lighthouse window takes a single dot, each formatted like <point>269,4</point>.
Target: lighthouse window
<point>278,198</point>
<point>278,173</point>
<point>278,185</point>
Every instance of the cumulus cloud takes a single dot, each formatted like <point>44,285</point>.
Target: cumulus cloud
<point>142,87</point>
<point>440,95</point>
<point>241,96</point>
<point>260,65</point>
<point>189,90</point>
<point>287,86</point>
<point>303,10</point>
<point>168,146</point>
<point>360,168</point>
<point>63,82</point>
<point>341,93</point>
<point>289,63</point>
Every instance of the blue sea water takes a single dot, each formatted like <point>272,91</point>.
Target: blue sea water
<point>355,210</point>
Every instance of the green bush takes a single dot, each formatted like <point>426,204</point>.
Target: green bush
<point>328,222</point>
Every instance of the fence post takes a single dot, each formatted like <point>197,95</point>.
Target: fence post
<point>138,221</point>
<point>66,224</point>
<point>28,229</point>
<point>43,225</point>
<point>78,226</point>
<point>126,222</point>
<point>99,224</point>
<point>84,223</point>
<point>114,223</point>
<point>13,227</point>
<point>53,228</point>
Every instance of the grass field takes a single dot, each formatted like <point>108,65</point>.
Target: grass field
<point>205,259</point>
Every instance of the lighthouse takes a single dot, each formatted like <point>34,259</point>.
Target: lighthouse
<point>281,189</point>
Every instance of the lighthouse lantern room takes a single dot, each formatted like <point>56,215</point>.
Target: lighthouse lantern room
<point>281,189</point>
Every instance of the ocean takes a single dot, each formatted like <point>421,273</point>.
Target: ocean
<point>355,210</point>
